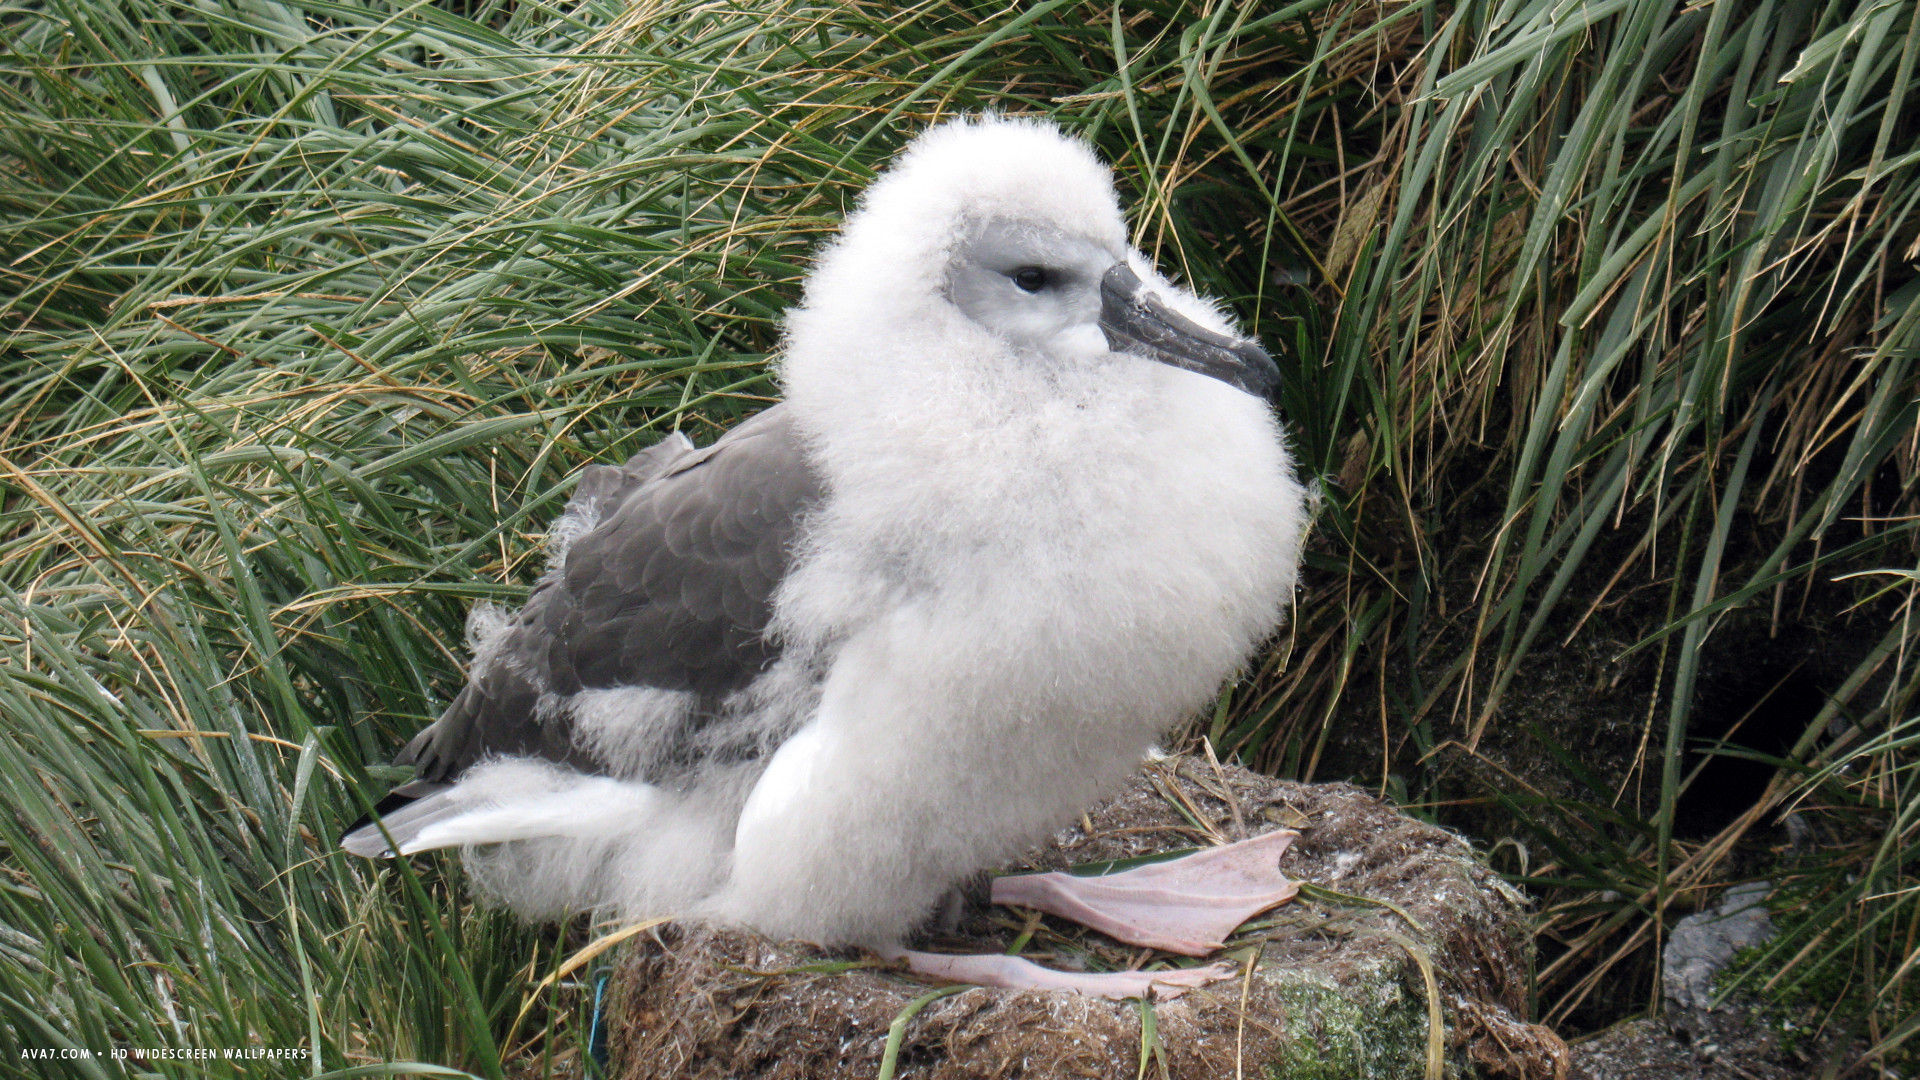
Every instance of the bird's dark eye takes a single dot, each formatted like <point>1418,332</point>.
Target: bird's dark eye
<point>1030,278</point>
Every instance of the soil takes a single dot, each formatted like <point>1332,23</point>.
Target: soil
<point>1724,1045</point>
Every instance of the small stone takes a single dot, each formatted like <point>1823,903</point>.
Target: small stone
<point>1704,943</point>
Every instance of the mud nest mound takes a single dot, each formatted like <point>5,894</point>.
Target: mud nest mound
<point>1396,921</point>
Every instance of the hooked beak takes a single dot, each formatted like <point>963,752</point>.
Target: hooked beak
<point>1136,321</point>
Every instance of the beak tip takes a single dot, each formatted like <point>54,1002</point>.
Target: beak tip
<point>1259,373</point>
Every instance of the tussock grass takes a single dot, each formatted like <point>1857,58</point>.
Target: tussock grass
<point>1656,267</point>
<point>1599,321</point>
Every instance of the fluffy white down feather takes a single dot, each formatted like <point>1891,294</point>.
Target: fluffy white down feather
<point>1029,564</point>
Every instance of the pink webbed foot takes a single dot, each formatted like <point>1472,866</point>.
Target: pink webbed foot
<point>1017,973</point>
<point>1187,905</point>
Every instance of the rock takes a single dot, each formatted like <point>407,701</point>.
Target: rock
<point>1703,943</point>
<point>1336,984</point>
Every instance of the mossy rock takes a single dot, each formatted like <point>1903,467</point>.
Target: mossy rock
<point>1336,985</point>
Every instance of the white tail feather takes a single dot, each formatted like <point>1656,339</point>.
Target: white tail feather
<point>595,807</point>
<point>486,811</point>
<point>402,824</point>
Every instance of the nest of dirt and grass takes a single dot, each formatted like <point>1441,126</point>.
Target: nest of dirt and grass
<point>1398,922</point>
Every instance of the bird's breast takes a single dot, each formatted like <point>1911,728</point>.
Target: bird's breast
<point>1095,566</point>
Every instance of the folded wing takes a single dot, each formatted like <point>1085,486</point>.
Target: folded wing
<point>668,585</point>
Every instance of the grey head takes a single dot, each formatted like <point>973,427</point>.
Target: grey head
<point>1046,290</point>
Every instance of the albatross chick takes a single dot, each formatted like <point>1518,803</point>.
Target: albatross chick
<point>1025,506</point>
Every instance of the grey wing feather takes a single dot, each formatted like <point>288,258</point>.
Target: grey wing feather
<point>600,482</point>
<point>672,588</point>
